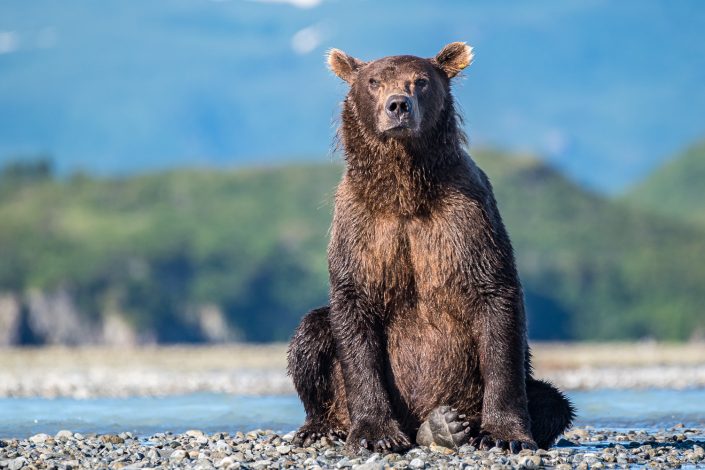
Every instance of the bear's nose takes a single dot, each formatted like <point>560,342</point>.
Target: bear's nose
<point>398,107</point>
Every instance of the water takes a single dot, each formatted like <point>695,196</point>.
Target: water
<point>22,417</point>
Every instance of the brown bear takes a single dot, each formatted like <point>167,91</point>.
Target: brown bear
<point>425,335</point>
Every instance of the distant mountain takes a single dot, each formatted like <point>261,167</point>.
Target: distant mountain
<point>205,255</point>
<point>605,90</point>
<point>677,189</point>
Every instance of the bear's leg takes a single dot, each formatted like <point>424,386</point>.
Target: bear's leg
<point>551,412</point>
<point>311,363</point>
<point>445,427</point>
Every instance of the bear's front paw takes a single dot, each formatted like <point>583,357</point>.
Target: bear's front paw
<point>311,432</point>
<point>377,437</point>
<point>487,440</point>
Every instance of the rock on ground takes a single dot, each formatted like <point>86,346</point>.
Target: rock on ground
<point>263,449</point>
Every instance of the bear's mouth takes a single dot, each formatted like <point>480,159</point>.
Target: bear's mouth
<point>401,129</point>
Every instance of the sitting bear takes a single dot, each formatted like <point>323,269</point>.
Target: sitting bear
<point>425,336</point>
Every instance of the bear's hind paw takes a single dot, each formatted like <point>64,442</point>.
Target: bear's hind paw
<point>445,427</point>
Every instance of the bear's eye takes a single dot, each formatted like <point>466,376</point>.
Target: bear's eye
<point>374,84</point>
<point>421,83</point>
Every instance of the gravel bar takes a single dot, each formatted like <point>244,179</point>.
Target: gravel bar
<point>150,381</point>
<point>90,372</point>
<point>582,448</point>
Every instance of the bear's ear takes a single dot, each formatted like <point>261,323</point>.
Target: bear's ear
<point>343,65</point>
<point>454,57</point>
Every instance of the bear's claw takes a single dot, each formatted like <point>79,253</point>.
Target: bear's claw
<point>485,441</point>
<point>385,438</point>
<point>312,432</point>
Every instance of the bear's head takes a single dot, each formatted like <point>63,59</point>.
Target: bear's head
<point>400,97</point>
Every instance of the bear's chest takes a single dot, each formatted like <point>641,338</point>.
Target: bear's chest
<point>413,261</point>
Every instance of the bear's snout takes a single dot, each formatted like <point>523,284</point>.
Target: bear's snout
<point>399,108</point>
<point>400,116</point>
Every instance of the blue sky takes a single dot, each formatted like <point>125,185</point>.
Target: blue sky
<point>605,91</point>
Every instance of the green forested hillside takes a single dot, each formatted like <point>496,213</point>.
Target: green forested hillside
<point>252,243</point>
<point>677,189</point>
<point>155,246</point>
<point>594,268</point>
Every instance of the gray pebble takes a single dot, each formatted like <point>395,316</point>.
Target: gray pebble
<point>225,462</point>
<point>39,438</point>
<point>530,461</point>
<point>63,435</point>
<point>283,449</point>
<point>178,455</point>
<point>17,463</point>
<point>261,464</point>
<point>369,466</point>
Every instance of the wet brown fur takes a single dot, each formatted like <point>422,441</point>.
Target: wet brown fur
<point>426,304</point>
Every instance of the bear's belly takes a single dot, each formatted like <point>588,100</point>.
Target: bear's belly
<point>432,358</point>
